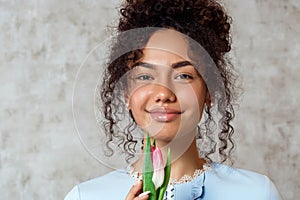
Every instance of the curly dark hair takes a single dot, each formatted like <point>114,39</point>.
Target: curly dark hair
<point>206,22</point>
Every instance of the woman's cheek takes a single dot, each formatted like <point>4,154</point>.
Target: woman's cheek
<point>192,100</point>
<point>138,102</point>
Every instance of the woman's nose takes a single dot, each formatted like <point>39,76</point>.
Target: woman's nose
<point>163,94</point>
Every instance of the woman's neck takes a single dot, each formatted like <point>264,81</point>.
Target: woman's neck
<point>187,163</point>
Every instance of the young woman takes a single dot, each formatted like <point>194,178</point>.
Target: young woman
<point>177,85</point>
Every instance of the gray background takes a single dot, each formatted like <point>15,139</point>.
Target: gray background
<point>42,46</point>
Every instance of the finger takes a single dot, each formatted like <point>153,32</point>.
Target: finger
<point>144,195</point>
<point>135,190</point>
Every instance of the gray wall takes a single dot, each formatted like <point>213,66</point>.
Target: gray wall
<point>42,46</point>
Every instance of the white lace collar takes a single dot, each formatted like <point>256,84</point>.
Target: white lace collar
<point>184,179</point>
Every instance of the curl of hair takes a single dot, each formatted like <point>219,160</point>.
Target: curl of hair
<point>206,22</point>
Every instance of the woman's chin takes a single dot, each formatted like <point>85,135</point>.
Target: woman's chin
<point>164,136</point>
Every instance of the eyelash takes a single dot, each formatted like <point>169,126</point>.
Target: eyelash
<point>187,76</point>
<point>144,77</point>
<point>147,77</point>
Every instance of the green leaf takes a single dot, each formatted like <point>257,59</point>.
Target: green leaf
<point>148,185</point>
<point>164,186</point>
<point>154,142</point>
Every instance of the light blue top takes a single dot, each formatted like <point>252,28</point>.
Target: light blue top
<point>221,182</point>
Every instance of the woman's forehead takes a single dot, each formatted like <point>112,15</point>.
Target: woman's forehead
<point>161,57</point>
<point>169,41</point>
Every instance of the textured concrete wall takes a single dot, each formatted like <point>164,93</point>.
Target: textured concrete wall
<point>42,46</point>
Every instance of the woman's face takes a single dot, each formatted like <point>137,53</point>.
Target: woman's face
<point>166,93</point>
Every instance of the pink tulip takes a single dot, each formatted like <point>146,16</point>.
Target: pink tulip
<point>158,167</point>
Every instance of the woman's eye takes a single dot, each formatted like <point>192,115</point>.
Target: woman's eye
<point>184,76</point>
<point>144,77</point>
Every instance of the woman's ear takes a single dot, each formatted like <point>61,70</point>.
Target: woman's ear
<point>126,98</point>
<point>208,99</point>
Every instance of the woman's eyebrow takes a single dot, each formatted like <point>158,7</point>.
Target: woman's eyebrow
<point>154,66</point>
<point>144,64</point>
<point>181,64</point>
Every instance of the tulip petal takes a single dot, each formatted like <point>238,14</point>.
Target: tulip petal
<point>158,168</point>
<point>163,188</point>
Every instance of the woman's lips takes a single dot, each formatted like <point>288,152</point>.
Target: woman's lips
<point>164,114</point>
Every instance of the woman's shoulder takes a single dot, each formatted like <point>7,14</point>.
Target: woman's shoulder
<point>114,183</point>
<point>230,173</point>
<point>119,176</point>
<point>235,182</point>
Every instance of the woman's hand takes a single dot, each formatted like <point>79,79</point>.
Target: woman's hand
<point>135,192</point>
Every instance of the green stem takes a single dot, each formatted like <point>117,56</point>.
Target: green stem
<point>148,185</point>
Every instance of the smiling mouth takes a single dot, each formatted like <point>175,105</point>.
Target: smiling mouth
<point>164,114</point>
